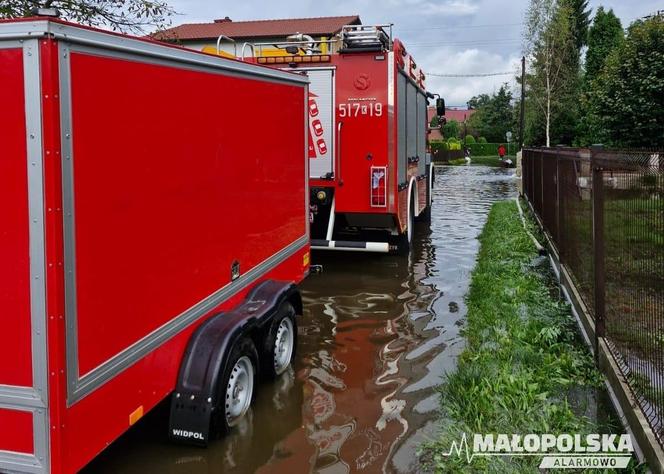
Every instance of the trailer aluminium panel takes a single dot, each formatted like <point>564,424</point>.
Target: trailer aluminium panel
<point>138,259</point>
<point>370,172</point>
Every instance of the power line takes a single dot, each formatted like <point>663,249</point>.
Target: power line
<point>478,40</point>
<point>466,43</point>
<point>459,27</point>
<point>489,74</point>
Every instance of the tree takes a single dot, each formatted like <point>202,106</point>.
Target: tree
<point>551,45</point>
<point>127,16</point>
<point>493,116</point>
<point>605,34</point>
<point>478,101</point>
<point>451,129</point>
<point>580,14</point>
<point>627,95</point>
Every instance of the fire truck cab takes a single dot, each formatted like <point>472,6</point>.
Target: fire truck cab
<point>370,173</point>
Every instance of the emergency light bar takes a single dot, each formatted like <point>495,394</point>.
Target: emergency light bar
<point>312,58</point>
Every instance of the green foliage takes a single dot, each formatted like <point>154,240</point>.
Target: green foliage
<point>453,144</point>
<point>493,116</point>
<point>483,149</point>
<point>128,16</point>
<point>469,139</point>
<point>580,14</point>
<point>626,97</point>
<point>478,101</point>
<point>434,122</point>
<point>523,356</point>
<point>438,145</point>
<point>481,140</point>
<point>553,83</point>
<point>451,129</point>
<point>604,36</point>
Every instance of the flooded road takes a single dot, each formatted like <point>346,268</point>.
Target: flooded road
<point>377,335</point>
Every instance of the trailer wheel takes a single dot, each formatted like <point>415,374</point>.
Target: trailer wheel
<point>280,342</point>
<point>238,383</point>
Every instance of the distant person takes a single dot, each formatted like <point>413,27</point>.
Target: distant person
<point>501,151</point>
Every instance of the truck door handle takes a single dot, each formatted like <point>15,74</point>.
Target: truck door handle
<point>339,127</point>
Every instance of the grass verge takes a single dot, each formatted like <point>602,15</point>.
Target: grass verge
<point>479,160</point>
<point>523,360</point>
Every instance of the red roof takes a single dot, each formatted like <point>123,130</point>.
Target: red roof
<point>460,115</point>
<point>321,26</point>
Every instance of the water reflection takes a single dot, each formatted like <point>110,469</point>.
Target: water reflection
<point>377,335</point>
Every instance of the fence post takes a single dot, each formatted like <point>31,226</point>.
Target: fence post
<point>598,249</point>
<point>541,184</point>
<point>559,213</point>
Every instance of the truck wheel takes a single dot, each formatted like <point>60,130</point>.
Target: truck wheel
<point>425,215</point>
<point>238,383</point>
<point>405,240</point>
<point>281,342</point>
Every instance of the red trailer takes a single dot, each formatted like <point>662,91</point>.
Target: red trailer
<point>370,173</point>
<point>138,259</point>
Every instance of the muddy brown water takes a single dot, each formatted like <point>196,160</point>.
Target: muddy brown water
<point>377,335</point>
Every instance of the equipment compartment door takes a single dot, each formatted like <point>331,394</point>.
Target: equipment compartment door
<point>321,123</point>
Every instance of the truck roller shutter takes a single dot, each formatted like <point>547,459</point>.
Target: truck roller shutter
<point>321,122</point>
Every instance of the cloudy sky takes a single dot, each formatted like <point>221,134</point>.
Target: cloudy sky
<point>444,36</point>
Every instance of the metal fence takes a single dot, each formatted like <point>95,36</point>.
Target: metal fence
<point>604,212</point>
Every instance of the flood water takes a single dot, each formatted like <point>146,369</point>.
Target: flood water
<point>377,334</point>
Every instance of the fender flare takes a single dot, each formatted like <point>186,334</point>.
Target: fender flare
<point>432,179</point>
<point>197,390</point>
<point>411,184</point>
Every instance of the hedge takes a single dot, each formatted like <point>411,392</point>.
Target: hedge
<point>476,149</point>
<point>490,149</point>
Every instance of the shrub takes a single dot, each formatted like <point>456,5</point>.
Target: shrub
<point>451,129</point>
<point>470,139</point>
<point>438,145</point>
<point>481,140</point>
<point>454,144</point>
<point>483,149</point>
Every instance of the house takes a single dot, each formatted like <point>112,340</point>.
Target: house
<point>233,35</point>
<point>460,115</point>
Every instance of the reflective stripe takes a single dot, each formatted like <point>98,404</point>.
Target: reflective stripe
<point>350,246</point>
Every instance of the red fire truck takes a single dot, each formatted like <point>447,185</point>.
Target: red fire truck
<point>370,173</point>
<point>132,239</point>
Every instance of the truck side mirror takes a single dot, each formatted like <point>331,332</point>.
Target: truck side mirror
<point>440,106</point>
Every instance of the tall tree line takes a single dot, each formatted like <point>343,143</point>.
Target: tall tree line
<point>613,95</point>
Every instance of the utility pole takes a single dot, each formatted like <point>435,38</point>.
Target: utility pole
<point>523,100</point>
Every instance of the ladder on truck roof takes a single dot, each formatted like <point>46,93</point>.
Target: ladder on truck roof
<point>366,37</point>
<point>352,38</point>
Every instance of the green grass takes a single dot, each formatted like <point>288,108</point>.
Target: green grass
<point>480,160</point>
<point>523,357</point>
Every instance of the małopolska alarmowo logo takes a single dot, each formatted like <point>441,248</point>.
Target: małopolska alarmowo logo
<point>564,451</point>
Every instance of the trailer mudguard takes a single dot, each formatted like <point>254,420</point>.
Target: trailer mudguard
<point>197,391</point>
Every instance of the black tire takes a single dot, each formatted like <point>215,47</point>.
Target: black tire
<point>242,350</point>
<point>425,215</point>
<point>276,360</point>
<point>405,240</point>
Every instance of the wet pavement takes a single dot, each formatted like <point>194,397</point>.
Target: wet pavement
<point>377,335</point>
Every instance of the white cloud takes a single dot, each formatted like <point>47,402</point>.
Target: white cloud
<point>475,36</point>
<point>457,91</point>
